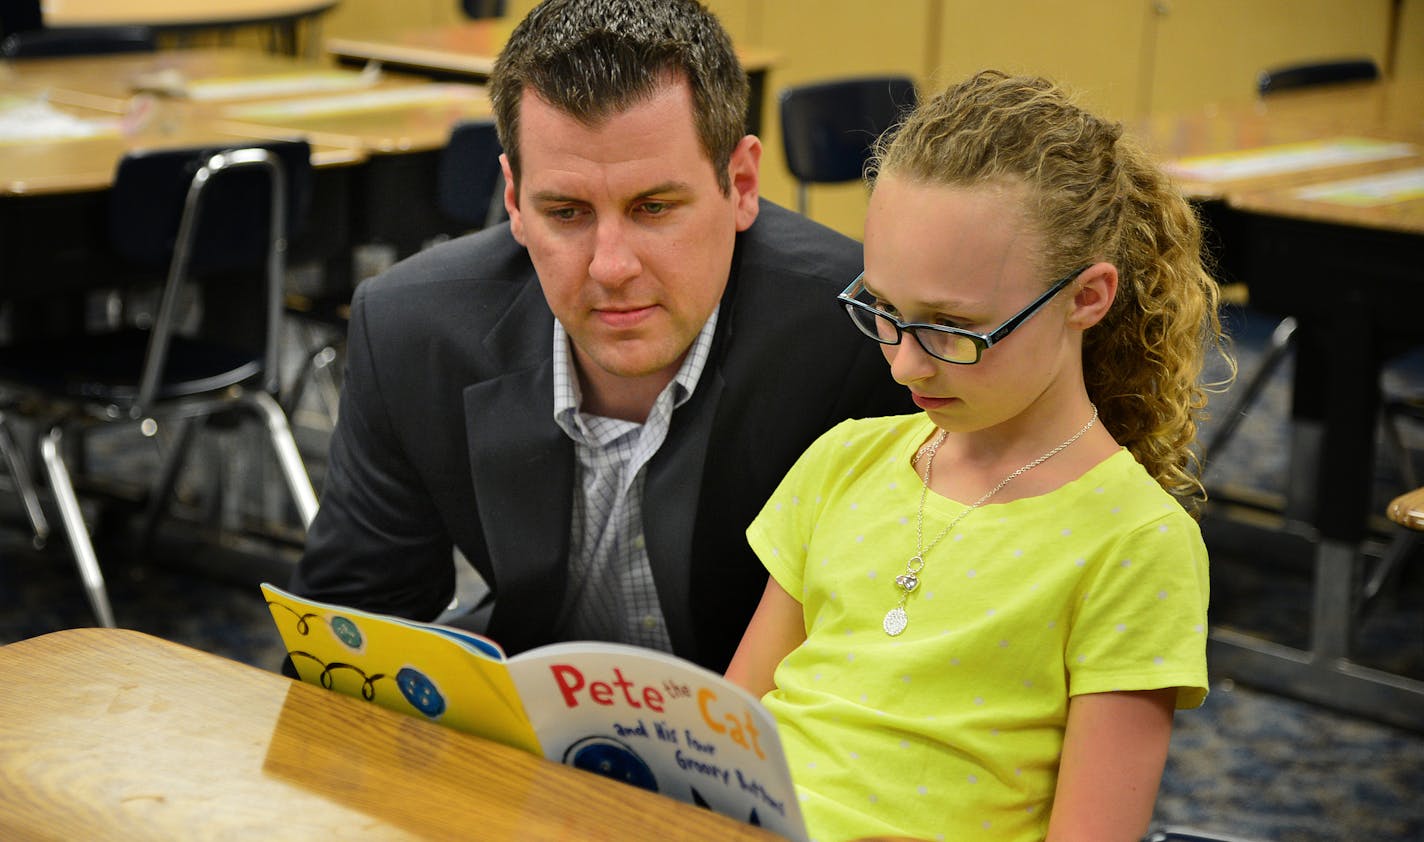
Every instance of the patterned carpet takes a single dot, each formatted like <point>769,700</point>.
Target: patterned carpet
<point>1248,763</point>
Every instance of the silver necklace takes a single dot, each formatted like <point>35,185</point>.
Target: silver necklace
<point>907,582</point>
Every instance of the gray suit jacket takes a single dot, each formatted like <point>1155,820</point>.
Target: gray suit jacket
<point>446,436</point>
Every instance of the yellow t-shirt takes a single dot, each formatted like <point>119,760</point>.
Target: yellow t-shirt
<point>953,730</point>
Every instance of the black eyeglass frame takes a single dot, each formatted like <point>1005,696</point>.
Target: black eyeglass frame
<point>981,341</point>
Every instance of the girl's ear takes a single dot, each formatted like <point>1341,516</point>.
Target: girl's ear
<point>1093,296</point>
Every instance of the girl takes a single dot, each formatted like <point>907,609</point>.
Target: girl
<point>981,618</point>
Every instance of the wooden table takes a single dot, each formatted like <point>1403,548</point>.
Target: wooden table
<point>468,51</point>
<point>388,134</point>
<point>183,16</point>
<point>1350,274</point>
<point>113,734</point>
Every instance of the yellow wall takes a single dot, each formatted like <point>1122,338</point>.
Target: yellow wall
<point>1123,57</point>
<point>1409,41</point>
<point>1209,50</point>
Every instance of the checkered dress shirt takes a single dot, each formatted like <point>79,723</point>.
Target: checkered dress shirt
<point>611,594</point>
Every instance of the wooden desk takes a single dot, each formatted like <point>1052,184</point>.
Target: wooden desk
<point>113,734</point>
<point>467,51</point>
<point>183,16</point>
<point>1349,274</point>
<point>53,206</point>
<point>389,197</point>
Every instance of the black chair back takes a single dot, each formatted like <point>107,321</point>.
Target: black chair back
<point>220,238</point>
<point>483,8</point>
<point>78,41</point>
<point>469,182</point>
<point>1312,74</point>
<point>829,128</point>
<point>147,198</point>
<point>19,16</point>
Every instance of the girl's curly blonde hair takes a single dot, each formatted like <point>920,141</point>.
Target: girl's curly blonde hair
<point>1095,195</point>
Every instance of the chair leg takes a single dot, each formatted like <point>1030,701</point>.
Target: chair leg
<point>1275,352</point>
<point>24,484</point>
<point>73,520</point>
<point>1388,569</point>
<point>288,457</point>
<point>167,481</point>
<point>313,364</point>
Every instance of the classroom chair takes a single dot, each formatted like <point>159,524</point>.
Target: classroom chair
<point>1313,74</point>
<point>828,128</point>
<point>475,9</point>
<point>213,224</point>
<point>19,16</point>
<point>78,41</point>
<point>469,183</point>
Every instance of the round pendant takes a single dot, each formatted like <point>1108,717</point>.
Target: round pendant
<point>895,621</point>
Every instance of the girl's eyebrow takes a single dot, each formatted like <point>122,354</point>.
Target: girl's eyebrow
<point>947,307</point>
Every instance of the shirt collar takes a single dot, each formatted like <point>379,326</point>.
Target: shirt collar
<point>568,394</point>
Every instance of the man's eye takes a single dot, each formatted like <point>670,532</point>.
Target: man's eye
<point>562,214</point>
<point>655,208</point>
<point>885,307</point>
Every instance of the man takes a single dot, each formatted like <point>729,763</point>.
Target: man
<point>592,401</point>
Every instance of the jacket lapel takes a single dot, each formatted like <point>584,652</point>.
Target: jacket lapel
<point>522,465</point>
<point>671,503</point>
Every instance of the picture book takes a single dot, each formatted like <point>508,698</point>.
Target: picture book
<point>637,715</point>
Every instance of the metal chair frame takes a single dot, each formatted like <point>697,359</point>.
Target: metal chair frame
<point>148,403</point>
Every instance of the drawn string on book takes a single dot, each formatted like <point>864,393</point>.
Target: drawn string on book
<point>345,634</point>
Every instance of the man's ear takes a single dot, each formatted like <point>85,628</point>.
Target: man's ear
<point>1093,295</point>
<point>744,169</point>
<point>511,201</point>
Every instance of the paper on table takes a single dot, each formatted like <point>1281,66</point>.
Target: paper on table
<point>1383,189</point>
<point>173,82</point>
<point>435,94</point>
<point>1290,157</point>
<point>28,119</point>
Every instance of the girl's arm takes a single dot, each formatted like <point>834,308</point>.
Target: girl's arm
<point>1114,749</point>
<point>777,627</point>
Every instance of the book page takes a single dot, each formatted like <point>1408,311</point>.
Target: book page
<point>661,723</point>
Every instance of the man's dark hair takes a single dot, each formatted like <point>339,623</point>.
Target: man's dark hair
<point>592,59</point>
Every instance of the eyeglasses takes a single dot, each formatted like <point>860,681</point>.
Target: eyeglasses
<point>950,344</point>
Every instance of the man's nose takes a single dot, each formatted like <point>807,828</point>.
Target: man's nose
<point>614,259</point>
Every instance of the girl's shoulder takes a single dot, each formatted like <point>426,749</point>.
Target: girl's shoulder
<point>889,432</point>
<point>1121,483</point>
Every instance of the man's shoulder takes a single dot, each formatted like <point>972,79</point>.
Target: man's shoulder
<point>791,245</point>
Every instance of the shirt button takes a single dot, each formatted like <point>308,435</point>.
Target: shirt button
<point>639,543</point>
<point>650,622</point>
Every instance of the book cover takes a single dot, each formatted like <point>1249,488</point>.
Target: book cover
<point>643,717</point>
